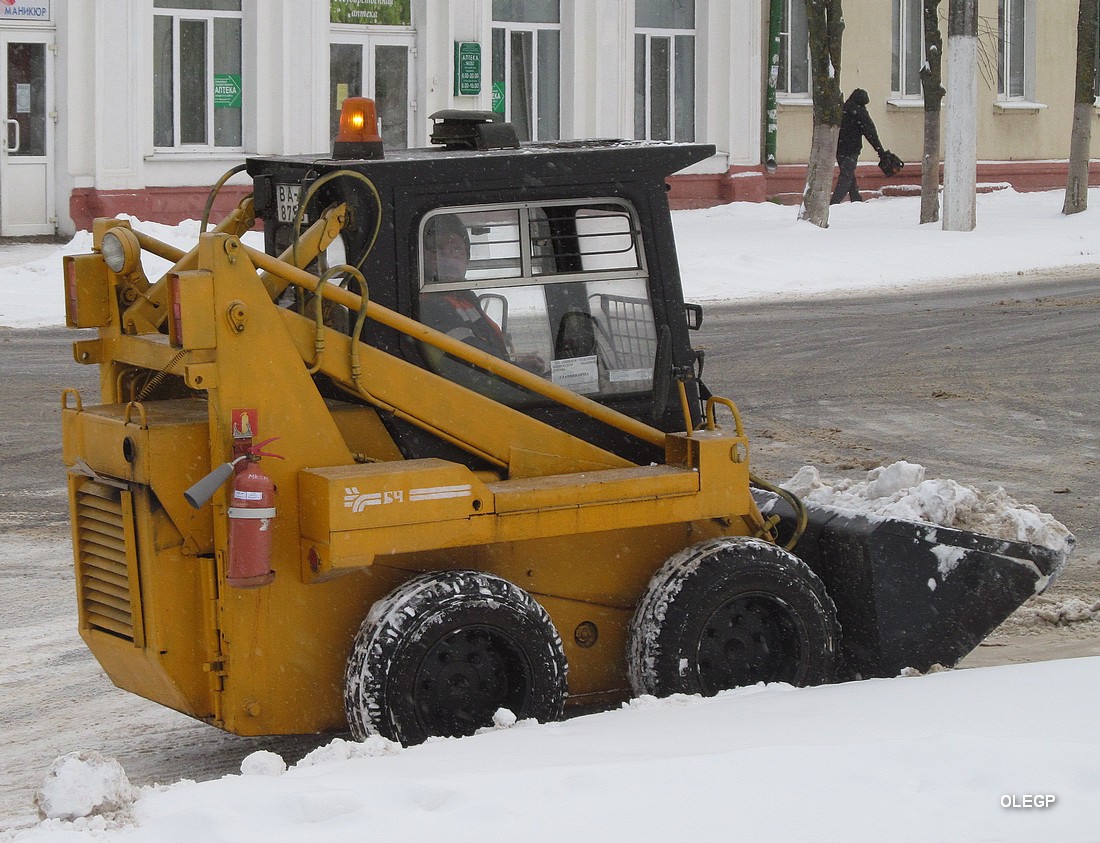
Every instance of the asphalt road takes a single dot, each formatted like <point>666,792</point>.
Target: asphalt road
<point>996,386</point>
<point>988,386</point>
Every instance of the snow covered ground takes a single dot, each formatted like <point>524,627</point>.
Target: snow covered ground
<point>993,754</point>
<point>1000,753</point>
<point>747,250</point>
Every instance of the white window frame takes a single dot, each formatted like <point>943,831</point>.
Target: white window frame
<point>1096,78</point>
<point>207,16</point>
<point>903,45</point>
<point>368,40</point>
<point>509,28</point>
<point>1011,28</point>
<point>649,34</point>
<point>784,83</point>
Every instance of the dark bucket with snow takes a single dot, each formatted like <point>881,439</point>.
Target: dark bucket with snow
<point>911,594</point>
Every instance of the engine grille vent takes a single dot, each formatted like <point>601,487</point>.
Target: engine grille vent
<point>103,570</point>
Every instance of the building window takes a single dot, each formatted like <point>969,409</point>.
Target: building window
<point>794,50</point>
<point>1014,31</point>
<point>664,70</point>
<point>908,48</point>
<point>1096,75</point>
<point>527,66</point>
<point>197,74</point>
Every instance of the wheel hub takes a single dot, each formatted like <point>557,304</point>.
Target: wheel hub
<point>748,639</point>
<point>465,677</point>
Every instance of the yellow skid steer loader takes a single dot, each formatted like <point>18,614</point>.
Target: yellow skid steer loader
<point>441,448</point>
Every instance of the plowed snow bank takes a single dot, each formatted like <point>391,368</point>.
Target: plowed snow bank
<point>901,491</point>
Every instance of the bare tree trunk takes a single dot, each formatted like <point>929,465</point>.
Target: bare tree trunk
<point>825,20</point>
<point>1077,184</point>
<point>931,80</point>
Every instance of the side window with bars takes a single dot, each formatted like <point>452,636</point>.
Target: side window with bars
<point>564,284</point>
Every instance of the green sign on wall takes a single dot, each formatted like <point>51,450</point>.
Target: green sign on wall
<point>371,12</point>
<point>498,97</point>
<point>227,90</point>
<point>467,68</point>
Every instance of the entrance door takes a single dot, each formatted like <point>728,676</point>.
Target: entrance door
<point>26,142</point>
<point>379,67</point>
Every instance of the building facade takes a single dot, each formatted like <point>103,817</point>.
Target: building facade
<point>138,106</point>
<point>1026,72</point>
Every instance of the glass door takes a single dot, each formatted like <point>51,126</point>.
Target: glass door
<point>379,67</point>
<point>26,143</point>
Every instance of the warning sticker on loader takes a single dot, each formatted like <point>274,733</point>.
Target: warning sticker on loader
<point>244,423</point>
<point>580,374</point>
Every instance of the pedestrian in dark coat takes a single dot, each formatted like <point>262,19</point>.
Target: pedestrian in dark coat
<point>855,125</point>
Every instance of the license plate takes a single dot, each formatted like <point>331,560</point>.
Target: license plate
<point>286,197</point>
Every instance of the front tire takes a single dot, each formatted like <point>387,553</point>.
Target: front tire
<point>731,612</point>
<point>443,652</point>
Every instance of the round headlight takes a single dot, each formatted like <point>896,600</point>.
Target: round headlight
<point>121,250</point>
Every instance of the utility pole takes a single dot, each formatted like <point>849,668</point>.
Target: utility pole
<point>960,162</point>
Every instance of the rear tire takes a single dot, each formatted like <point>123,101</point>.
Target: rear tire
<point>443,652</point>
<point>730,612</point>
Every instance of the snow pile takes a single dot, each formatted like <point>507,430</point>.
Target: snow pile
<point>85,784</point>
<point>342,750</point>
<point>263,763</point>
<point>1044,612</point>
<point>901,491</point>
<point>32,294</point>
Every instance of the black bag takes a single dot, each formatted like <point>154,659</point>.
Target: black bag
<point>889,163</point>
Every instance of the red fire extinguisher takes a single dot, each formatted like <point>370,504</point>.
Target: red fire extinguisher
<point>251,521</point>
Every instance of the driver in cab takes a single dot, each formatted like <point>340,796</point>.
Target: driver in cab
<point>454,312</point>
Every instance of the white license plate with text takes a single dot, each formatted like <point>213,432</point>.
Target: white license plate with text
<point>286,199</point>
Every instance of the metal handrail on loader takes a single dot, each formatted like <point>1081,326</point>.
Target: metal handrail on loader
<point>423,333</point>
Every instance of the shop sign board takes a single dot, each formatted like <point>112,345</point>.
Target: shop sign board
<point>37,11</point>
<point>467,68</point>
<point>371,12</point>
<point>227,90</point>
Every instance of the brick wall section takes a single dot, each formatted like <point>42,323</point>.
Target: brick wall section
<point>785,185</point>
<point>168,205</point>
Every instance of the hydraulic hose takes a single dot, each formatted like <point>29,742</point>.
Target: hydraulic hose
<point>319,341</point>
<point>314,187</point>
<point>206,211</point>
<point>800,515</point>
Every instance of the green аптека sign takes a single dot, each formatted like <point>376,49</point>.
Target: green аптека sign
<point>467,68</point>
<point>227,90</point>
<point>371,12</point>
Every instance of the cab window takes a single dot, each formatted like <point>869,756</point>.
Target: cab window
<point>560,289</point>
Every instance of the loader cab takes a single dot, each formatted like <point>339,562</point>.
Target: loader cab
<point>569,269</point>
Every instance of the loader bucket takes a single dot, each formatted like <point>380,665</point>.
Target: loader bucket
<point>909,593</point>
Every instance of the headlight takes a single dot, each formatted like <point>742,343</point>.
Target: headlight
<point>121,250</point>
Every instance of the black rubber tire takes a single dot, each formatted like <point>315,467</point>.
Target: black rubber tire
<point>443,652</point>
<point>731,612</point>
